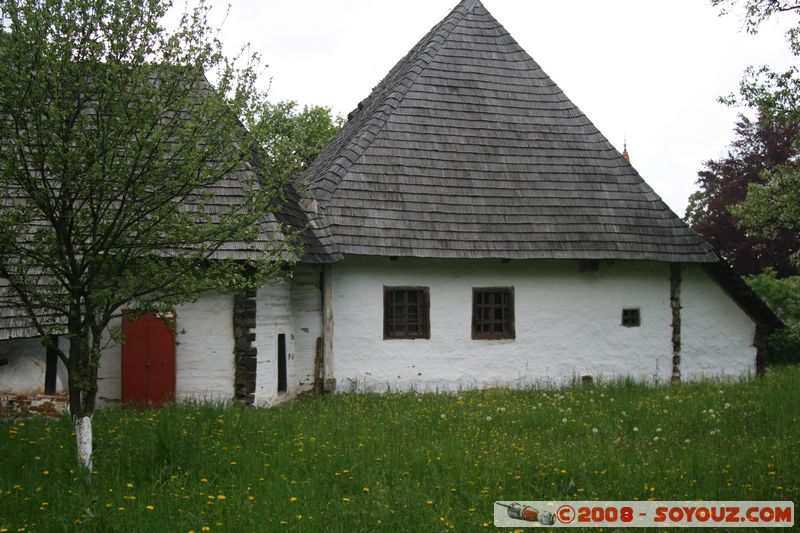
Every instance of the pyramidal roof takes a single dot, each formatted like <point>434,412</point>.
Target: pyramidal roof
<point>467,149</point>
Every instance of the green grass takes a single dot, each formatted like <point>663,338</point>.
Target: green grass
<point>407,462</point>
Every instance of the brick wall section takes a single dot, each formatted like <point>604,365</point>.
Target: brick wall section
<point>33,404</point>
<point>244,324</point>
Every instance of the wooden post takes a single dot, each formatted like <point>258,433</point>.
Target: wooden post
<point>329,382</point>
<point>318,367</point>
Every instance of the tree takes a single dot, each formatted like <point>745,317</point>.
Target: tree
<point>758,146</point>
<point>783,297</point>
<point>112,143</point>
<point>771,206</point>
<point>757,11</point>
<point>292,138</point>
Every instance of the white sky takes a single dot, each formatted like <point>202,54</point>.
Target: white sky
<point>649,70</point>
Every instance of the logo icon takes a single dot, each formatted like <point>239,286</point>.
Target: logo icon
<point>565,514</point>
<point>529,514</point>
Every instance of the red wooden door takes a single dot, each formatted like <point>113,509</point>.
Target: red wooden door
<point>148,360</point>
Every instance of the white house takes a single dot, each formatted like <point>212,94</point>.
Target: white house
<point>468,227</point>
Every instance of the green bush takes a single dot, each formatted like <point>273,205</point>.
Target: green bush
<point>783,297</point>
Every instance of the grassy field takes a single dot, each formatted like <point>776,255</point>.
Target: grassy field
<point>409,462</point>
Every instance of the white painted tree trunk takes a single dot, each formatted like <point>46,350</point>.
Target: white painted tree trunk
<point>83,436</point>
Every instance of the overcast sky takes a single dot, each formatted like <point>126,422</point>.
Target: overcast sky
<point>647,70</point>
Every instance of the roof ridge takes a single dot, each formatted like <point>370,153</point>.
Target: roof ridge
<point>374,107</point>
<point>469,4</point>
<point>420,62</point>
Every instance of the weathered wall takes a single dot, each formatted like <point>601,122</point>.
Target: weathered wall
<point>203,355</point>
<point>293,308</point>
<point>273,317</point>
<point>567,324</point>
<point>306,323</point>
<point>25,366</point>
<point>717,336</point>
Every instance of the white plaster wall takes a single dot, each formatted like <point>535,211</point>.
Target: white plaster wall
<point>25,369</point>
<point>109,372</point>
<point>567,324</point>
<point>292,307</point>
<point>204,357</point>
<point>716,335</point>
<point>273,317</point>
<point>306,324</point>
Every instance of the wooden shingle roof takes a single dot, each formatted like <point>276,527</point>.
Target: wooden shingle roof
<point>467,149</point>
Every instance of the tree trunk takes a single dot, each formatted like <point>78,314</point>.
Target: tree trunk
<point>83,436</point>
<point>82,379</point>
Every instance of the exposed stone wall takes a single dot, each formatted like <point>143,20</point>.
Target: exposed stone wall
<point>245,353</point>
<point>38,404</point>
<point>675,305</point>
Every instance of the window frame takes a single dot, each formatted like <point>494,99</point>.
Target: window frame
<point>423,310</point>
<point>638,315</point>
<point>509,323</point>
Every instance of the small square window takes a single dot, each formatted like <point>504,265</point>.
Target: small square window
<point>406,313</point>
<point>631,318</point>
<point>493,313</point>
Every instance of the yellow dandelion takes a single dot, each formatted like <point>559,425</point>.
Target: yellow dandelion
<point>251,498</point>
<point>46,473</point>
<point>205,528</point>
<point>365,490</point>
<point>203,480</point>
<point>345,500</point>
<point>149,507</point>
<point>428,502</point>
<point>220,496</point>
<point>129,485</point>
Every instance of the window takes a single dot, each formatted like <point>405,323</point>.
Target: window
<point>406,313</point>
<point>631,318</point>
<point>493,313</point>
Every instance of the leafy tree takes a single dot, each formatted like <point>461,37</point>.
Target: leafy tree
<point>757,11</point>
<point>759,145</point>
<point>293,138</point>
<point>111,145</point>
<point>783,297</point>
<point>771,205</point>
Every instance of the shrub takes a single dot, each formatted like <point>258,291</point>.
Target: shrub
<point>783,297</point>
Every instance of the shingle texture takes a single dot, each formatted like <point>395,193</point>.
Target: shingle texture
<point>14,323</point>
<point>467,149</point>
